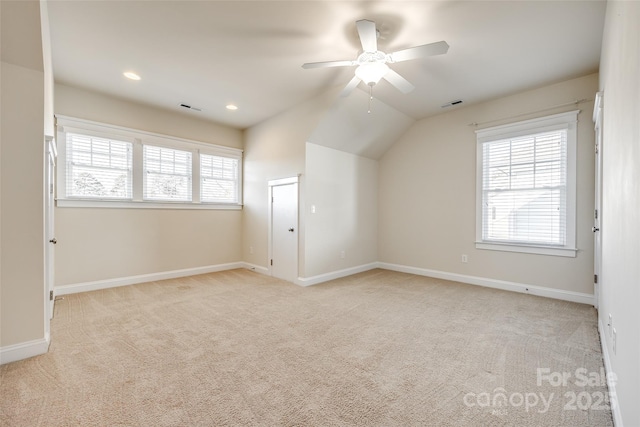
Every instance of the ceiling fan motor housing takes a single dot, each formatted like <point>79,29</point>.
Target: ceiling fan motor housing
<point>366,57</point>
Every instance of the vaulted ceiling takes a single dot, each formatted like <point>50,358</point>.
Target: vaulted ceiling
<point>208,54</point>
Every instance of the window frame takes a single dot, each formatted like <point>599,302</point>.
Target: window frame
<point>567,121</point>
<point>139,138</point>
<point>94,134</point>
<point>145,174</point>
<point>203,178</point>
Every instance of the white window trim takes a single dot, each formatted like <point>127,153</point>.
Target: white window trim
<point>62,167</point>
<point>139,138</point>
<point>189,175</point>
<point>567,120</point>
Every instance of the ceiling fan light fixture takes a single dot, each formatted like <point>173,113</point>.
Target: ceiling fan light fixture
<point>372,63</point>
<point>372,72</point>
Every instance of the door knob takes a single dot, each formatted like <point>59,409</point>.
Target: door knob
<point>54,241</point>
<point>291,230</point>
<point>594,229</point>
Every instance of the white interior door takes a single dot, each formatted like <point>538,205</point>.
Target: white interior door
<point>597,216</point>
<point>284,229</point>
<point>49,224</point>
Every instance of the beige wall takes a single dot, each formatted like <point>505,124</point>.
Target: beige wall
<point>21,176</point>
<point>427,194</point>
<point>85,104</point>
<point>620,228</point>
<point>98,244</point>
<point>343,188</point>
<point>275,149</point>
<point>49,119</point>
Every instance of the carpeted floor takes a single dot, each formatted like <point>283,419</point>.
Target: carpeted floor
<point>376,349</point>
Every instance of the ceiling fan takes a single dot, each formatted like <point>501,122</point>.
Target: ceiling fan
<point>372,63</point>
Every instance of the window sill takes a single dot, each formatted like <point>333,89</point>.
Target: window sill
<point>529,249</point>
<point>129,204</point>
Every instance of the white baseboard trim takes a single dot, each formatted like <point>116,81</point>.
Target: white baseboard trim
<point>493,283</point>
<point>313,280</point>
<point>320,278</point>
<point>256,268</point>
<point>611,377</point>
<point>142,278</point>
<point>24,350</point>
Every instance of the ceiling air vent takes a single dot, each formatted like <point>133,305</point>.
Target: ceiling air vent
<point>452,103</point>
<point>190,107</point>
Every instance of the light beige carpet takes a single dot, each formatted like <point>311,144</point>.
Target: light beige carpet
<point>375,349</point>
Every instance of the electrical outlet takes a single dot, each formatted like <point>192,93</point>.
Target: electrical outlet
<point>250,249</point>
<point>343,254</point>
<point>615,340</point>
<point>465,258</point>
<point>313,209</point>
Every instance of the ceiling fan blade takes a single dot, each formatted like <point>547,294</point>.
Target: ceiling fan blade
<point>368,35</point>
<point>350,87</point>
<point>431,49</point>
<point>398,81</point>
<point>328,64</point>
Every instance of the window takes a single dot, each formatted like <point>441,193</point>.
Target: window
<point>112,166</point>
<point>167,174</point>
<point>218,179</point>
<point>526,186</point>
<point>98,167</point>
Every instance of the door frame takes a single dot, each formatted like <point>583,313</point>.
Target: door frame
<point>275,183</point>
<point>51,154</point>
<point>597,218</point>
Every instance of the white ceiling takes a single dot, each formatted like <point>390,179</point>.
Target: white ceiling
<point>211,53</point>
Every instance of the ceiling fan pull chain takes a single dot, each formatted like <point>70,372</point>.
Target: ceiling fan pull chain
<point>370,98</point>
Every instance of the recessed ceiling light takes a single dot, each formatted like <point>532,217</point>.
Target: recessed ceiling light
<point>131,75</point>
<point>232,107</point>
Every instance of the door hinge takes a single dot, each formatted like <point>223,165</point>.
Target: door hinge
<point>50,295</point>
<point>595,278</point>
<point>271,262</point>
<point>596,214</point>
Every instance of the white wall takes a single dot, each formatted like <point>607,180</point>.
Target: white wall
<point>21,178</point>
<point>620,229</point>
<point>428,192</point>
<point>99,244</point>
<point>343,188</point>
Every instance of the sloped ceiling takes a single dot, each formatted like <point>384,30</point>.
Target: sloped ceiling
<point>211,53</point>
<point>355,126</point>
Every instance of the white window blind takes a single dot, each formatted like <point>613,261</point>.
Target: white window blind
<point>167,174</point>
<point>526,186</point>
<point>97,167</point>
<point>218,179</point>
<point>109,166</point>
<point>524,189</point>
